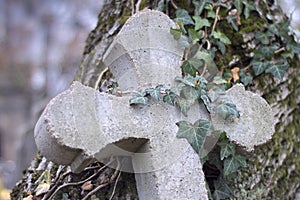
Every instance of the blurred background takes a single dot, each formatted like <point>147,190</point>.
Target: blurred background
<point>41,45</point>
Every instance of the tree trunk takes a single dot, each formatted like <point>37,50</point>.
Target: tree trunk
<point>273,170</point>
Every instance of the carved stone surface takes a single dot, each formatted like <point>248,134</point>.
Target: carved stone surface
<point>256,123</point>
<point>82,124</point>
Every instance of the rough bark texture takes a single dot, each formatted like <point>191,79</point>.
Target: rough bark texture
<point>274,168</point>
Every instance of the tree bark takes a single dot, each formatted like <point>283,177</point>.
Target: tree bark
<point>274,168</point>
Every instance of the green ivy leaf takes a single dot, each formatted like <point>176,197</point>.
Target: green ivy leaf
<point>262,37</point>
<point>185,105</point>
<point>248,8</point>
<point>222,190</point>
<point>278,70</point>
<point>245,78</point>
<point>194,133</point>
<point>227,149</point>
<point>189,93</point>
<point>199,6</point>
<point>183,16</point>
<point>238,4</point>
<point>194,36</point>
<point>177,90</point>
<point>214,93</point>
<point>176,33</point>
<point>184,41</point>
<point>218,80</point>
<point>155,93</point>
<point>187,80</point>
<point>259,67</point>
<point>139,98</point>
<point>170,98</point>
<point>221,36</point>
<point>221,47</point>
<point>232,20</point>
<point>227,109</point>
<point>204,97</point>
<point>232,164</point>
<point>200,23</point>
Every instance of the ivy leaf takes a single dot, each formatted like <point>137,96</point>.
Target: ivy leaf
<point>262,37</point>
<point>187,80</point>
<point>222,190</point>
<point>238,5</point>
<point>246,78</point>
<point>232,164</point>
<point>199,6</point>
<point>194,35</point>
<point>194,133</point>
<point>183,15</point>
<point>218,80</point>
<point>221,47</point>
<point>214,93</point>
<point>184,41</point>
<point>227,149</point>
<point>139,98</point>
<point>278,70</point>
<point>200,23</point>
<point>232,20</point>
<point>176,33</point>
<point>227,109</point>
<point>204,97</point>
<point>189,93</point>
<point>185,105</point>
<point>155,93</point>
<point>221,36</point>
<point>170,98</point>
<point>259,67</point>
<point>248,8</point>
<point>177,90</point>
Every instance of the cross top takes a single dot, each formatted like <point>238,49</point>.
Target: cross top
<point>144,53</point>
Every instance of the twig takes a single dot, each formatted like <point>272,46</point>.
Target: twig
<point>137,6</point>
<point>204,70</point>
<point>216,20</point>
<point>104,184</point>
<point>76,183</point>
<point>132,7</point>
<point>279,50</point>
<point>174,5</point>
<point>247,67</point>
<point>114,190</point>
<point>100,77</point>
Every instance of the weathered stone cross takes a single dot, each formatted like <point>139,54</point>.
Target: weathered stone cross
<point>81,124</point>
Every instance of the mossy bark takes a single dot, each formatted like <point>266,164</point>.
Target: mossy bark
<point>274,168</point>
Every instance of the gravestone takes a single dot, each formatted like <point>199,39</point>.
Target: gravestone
<point>82,125</point>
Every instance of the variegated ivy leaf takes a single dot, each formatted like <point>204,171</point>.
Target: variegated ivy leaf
<point>227,109</point>
<point>183,16</point>
<point>139,98</point>
<point>170,98</point>
<point>233,163</point>
<point>194,133</point>
<point>227,149</point>
<point>155,93</point>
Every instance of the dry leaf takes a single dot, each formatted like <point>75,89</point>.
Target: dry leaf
<point>30,197</point>
<point>87,185</point>
<point>235,74</point>
<point>42,188</point>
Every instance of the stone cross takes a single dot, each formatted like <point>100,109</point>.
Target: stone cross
<point>81,125</point>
